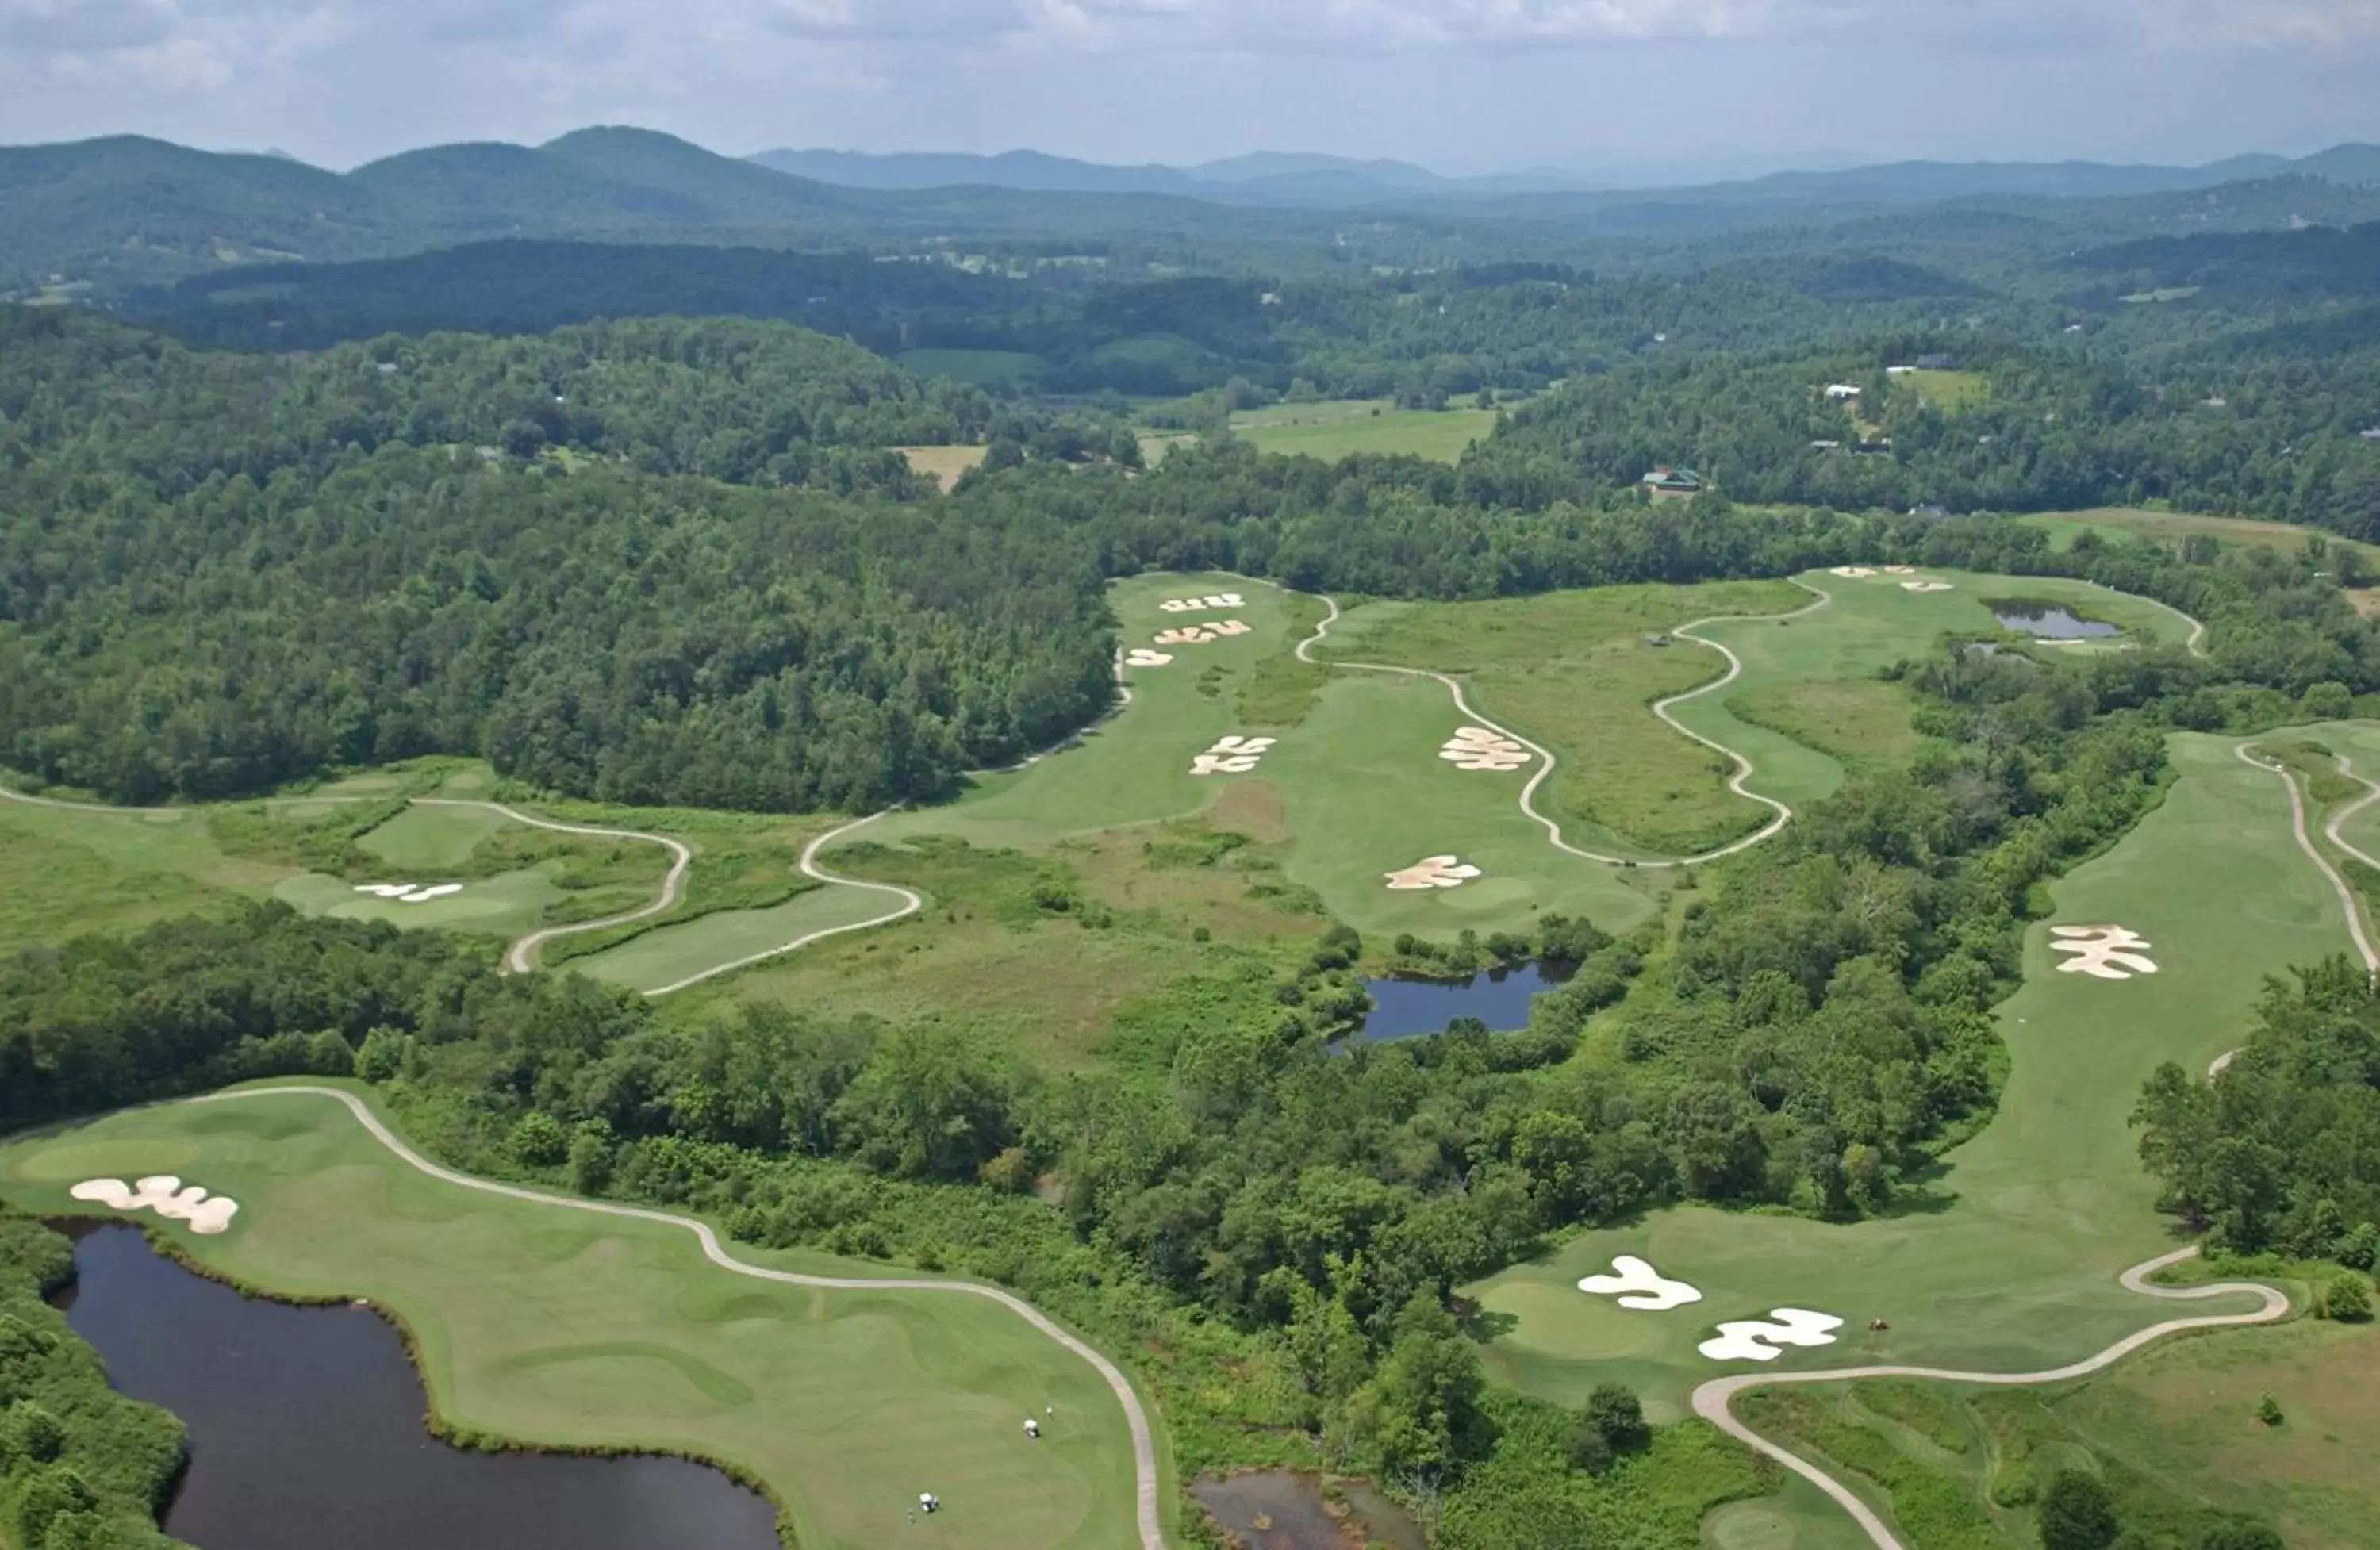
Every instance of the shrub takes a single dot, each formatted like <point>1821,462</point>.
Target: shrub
<point>2348,1300</point>
<point>2077,1513</point>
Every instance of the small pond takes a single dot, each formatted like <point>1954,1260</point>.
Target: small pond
<point>1500,997</point>
<point>2047,620</point>
<point>305,1431</point>
<point>1278,1509</point>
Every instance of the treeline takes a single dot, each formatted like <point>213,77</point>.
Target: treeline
<point>81,1466</point>
<point>2281,1151</point>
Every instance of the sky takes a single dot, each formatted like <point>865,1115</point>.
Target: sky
<point>1635,90</point>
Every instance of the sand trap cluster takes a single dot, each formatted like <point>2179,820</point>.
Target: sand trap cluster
<point>1198,634</point>
<point>1853,573</point>
<point>1926,586</point>
<point>1192,605</point>
<point>2102,951</point>
<point>1230,755</point>
<point>409,893</point>
<point>1432,871</point>
<point>1637,1285</point>
<point>1478,748</point>
<point>1141,655</point>
<point>164,1194</point>
<point>1762,1339</point>
<point>1900,570</point>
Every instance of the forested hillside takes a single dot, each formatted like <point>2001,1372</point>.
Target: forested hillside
<point>222,572</point>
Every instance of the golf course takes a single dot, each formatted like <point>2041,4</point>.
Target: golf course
<point>552,1321</point>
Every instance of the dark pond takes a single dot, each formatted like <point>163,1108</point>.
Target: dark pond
<point>1276,1509</point>
<point>1498,997</point>
<point>305,1428</point>
<point>2047,620</point>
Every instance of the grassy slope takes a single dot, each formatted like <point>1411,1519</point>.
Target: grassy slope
<point>78,872</point>
<point>1336,428</point>
<point>2012,1265</point>
<point>2285,537</point>
<point>564,1328</point>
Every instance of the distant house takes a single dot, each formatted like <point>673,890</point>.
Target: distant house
<point>1672,484</point>
<point>1825,446</point>
<point>2370,435</point>
<point>1841,389</point>
<point>1899,370</point>
<point>1933,512</point>
<point>1937,363</point>
<point>1881,447</point>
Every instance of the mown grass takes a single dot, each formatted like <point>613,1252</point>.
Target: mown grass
<point>537,1323</point>
<point>1339,428</point>
<point>2009,1262</point>
<point>1574,672</point>
<point>2285,537</point>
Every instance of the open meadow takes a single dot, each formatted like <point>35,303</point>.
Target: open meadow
<point>542,1323</point>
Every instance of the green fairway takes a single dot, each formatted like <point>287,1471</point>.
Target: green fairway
<point>1356,786</point>
<point>2116,522</point>
<point>506,905</point>
<point>563,1327</point>
<point>78,871</point>
<point>428,839</point>
<point>669,955</point>
<point>1873,621</point>
<point>2010,1264</point>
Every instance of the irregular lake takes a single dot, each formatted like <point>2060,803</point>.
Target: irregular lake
<point>2047,620</point>
<point>306,1431</point>
<point>1498,997</point>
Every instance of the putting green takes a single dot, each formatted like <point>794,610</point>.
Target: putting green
<point>429,839</point>
<point>566,1328</point>
<point>504,905</point>
<point>2013,1266</point>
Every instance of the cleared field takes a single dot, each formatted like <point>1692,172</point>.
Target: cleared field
<point>2286,537</point>
<point>943,464</point>
<point>1949,390</point>
<point>1861,723</point>
<point>561,1327</point>
<point>2009,1262</point>
<point>78,872</point>
<point>1338,428</point>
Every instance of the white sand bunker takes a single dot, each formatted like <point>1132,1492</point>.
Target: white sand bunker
<point>164,1194</point>
<point>1638,1285</point>
<point>1141,655</point>
<point>1230,755</point>
<point>1198,634</point>
<point>1851,572</point>
<point>1192,605</point>
<point>1926,586</point>
<point>1478,748</point>
<point>1762,1339</point>
<point>1432,871</point>
<point>2102,951</point>
<point>409,893</point>
<point>1900,570</point>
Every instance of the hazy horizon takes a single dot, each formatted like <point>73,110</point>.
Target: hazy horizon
<point>1462,85</point>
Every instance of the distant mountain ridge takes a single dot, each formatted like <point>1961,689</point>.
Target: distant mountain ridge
<point>1278,176</point>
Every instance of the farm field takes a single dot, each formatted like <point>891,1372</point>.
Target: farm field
<point>563,1327</point>
<point>2009,1261</point>
<point>1949,390</point>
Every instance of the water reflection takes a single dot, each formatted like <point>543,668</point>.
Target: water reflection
<point>2049,621</point>
<point>305,1427</point>
<point>1498,997</point>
